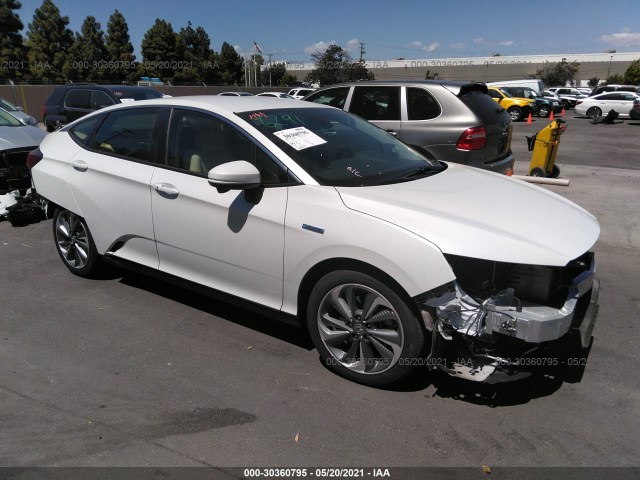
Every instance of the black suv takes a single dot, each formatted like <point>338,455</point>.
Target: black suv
<point>70,102</point>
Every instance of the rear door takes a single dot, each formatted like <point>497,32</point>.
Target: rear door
<point>381,105</point>
<point>110,179</point>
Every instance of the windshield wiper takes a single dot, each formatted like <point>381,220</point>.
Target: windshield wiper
<point>425,170</point>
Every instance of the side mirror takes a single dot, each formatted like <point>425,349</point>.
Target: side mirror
<point>238,175</point>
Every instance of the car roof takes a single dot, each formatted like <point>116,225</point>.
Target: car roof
<point>455,86</point>
<point>216,103</point>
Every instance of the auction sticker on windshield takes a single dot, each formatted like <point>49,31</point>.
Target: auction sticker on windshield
<point>299,138</point>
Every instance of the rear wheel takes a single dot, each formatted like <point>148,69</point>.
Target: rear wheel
<point>544,111</point>
<point>594,112</point>
<point>555,173</point>
<point>75,244</point>
<point>364,330</point>
<point>538,172</point>
<point>516,114</point>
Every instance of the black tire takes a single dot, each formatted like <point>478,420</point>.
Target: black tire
<point>594,112</point>
<point>379,342</point>
<point>538,172</point>
<point>516,114</point>
<point>555,173</point>
<point>544,111</point>
<point>75,245</point>
<point>50,128</point>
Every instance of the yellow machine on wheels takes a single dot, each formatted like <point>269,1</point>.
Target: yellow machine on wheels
<point>544,145</point>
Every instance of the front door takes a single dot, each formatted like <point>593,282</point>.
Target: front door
<point>220,240</point>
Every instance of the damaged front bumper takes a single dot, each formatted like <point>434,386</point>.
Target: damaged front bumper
<point>505,337</point>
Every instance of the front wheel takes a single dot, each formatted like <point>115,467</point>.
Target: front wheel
<point>516,114</point>
<point>364,330</point>
<point>75,244</point>
<point>544,111</point>
<point>594,112</point>
<point>538,172</point>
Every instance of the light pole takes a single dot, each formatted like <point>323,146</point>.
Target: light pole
<point>609,71</point>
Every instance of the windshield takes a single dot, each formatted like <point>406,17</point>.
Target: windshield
<point>8,120</point>
<point>9,107</point>
<point>340,149</point>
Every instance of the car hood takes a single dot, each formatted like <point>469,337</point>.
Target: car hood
<point>469,212</point>
<point>16,137</point>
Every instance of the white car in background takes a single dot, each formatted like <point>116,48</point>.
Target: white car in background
<point>601,104</point>
<point>299,93</point>
<point>275,94</point>
<point>391,260</point>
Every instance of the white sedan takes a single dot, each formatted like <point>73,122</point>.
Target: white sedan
<point>598,105</point>
<point>275,94</point>
<point>390,260</point>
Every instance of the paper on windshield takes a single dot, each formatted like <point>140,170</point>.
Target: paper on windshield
<point>299,138</point>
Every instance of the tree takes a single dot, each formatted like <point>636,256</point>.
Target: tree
<point>194,54</point>
<point>13,53</point>
<point>558,73</point>
<point>273,74</point>
<point>593,82</point>
<point>230,64</point>
<point>159,50</point>
<point>334,65</point>
<point>121,60</point>
<point>615,79</point>
<point>48,40</point>
<point>87,56</point>
<point>632,75</point>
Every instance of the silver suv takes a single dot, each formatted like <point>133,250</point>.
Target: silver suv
<point>453,121</point>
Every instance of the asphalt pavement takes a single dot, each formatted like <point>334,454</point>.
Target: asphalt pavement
<point>130,371</point>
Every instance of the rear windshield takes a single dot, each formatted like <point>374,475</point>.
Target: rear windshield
<point>483,106</point>
<point>138,94</point>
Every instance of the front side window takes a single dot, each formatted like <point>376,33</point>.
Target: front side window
<point>376,103</point>
<point>421,105</point>
<point>339,149</point>
<point>334,97</point>
<point>100,100</point>
<point>200,142</point>
<point>78,99</point>
<point>129,133</point>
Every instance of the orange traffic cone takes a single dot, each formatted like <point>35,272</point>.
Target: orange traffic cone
<point>562,113</point>
<point>551,116</point>
<point>529,120</point>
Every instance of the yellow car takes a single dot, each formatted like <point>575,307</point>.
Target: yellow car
<point>518,108</point>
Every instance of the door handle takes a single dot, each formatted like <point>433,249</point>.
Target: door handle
<point>79,165</point>
<point>392,132</point>
<point>166,190</point>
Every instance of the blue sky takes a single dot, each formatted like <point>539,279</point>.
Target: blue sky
<point>390,29</point>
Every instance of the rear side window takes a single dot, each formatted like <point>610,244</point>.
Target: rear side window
<point>334,97</point>
<point>421,105</point>
<point>129,133</point>
<point>376,103</point>
<point>83,131</point>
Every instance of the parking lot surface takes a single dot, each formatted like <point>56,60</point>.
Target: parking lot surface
<point>130,371</point>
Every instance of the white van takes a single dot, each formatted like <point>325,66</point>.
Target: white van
<point>533,83</point>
